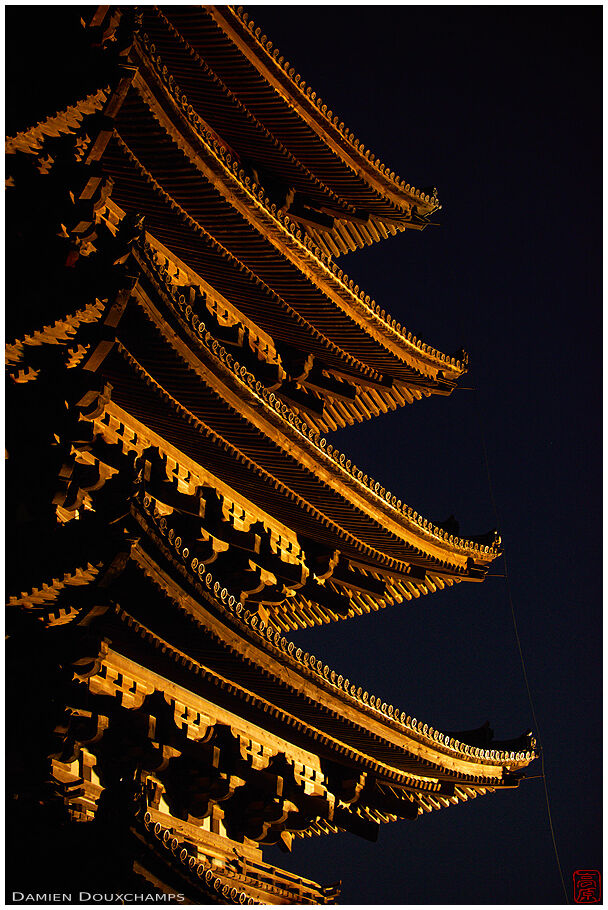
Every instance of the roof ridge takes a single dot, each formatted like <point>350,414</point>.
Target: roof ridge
<point>63,329</point>
<point>332,119</point>
<point>30,141</point>
<point>201,870</point>
<point>389,500</point>
<point>328,678</point>
<point>228,255</point>
<point>49,591</point>
<point>150,48</point>
<point>363,303</point>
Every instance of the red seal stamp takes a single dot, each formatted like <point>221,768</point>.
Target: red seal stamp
<point>587,886</point>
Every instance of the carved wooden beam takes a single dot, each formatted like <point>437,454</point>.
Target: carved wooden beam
<point>344,575</point>
<point>329,385</point>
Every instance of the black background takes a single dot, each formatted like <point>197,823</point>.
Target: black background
<point>500,108</point>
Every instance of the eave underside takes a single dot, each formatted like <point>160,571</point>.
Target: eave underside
<point>158,600</point>
<point>160,164</point>
<point>278,104</point>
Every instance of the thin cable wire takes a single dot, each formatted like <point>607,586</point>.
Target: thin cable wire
<point>519,648</point>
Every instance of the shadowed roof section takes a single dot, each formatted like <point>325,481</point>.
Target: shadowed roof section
<point>271,85</point>
<point>225,219</point>
<point>176,512</point>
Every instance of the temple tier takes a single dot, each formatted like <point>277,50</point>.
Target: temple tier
<point>180,356</point>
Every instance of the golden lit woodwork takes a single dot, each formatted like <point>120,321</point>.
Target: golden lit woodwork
<point>176,508</point>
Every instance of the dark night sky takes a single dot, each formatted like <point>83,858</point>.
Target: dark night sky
<point>500,108</point>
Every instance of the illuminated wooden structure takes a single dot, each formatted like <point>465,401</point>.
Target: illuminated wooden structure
<point>184,506</point>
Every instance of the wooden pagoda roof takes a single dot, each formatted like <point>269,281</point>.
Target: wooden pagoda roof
<point>219,224</point>
<point>202,513</point>
<point>352,390</point>
<point>224,216</point>
<point>63,122</point>
<point>175,386</point>
<point>192,632</point>
<point>265,113</point>
<point>199,404</point>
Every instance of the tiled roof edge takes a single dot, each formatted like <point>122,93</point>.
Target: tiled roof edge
<point>329,678</point>
<point>332,119</point>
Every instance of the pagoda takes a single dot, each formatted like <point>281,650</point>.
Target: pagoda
<point>178,356</point>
